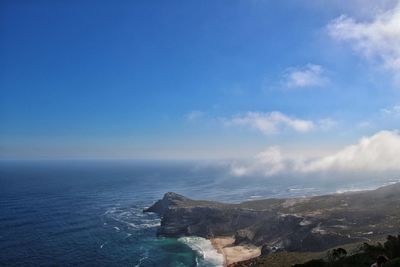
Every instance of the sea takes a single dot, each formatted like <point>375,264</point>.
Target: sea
<point>90,213</point>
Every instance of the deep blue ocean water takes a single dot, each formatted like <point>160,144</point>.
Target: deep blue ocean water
<point>89,213</point>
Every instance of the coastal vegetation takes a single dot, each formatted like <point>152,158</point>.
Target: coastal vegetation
<point>365,257</point>
<point>352,255</point>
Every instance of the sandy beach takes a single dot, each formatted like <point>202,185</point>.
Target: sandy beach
<point>232,253</point>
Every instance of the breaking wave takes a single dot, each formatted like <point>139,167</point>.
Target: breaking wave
<point>207,255</point>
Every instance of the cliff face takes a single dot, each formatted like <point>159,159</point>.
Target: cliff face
<point>182,216</point>
<point>303,224</point>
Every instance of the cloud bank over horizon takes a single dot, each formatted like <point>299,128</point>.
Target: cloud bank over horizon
<point>377,154</point>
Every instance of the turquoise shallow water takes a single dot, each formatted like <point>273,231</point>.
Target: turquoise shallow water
<point>90,213</point>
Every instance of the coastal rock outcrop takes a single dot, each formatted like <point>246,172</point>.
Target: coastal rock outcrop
<point>298,224</point>
<point>182,216</point>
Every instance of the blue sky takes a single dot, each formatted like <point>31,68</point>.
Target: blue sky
<point>194,79</point>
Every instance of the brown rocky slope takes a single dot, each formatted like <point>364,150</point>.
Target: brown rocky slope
<point>309,224</point>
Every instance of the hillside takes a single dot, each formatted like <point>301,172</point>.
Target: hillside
<point>312,224</point>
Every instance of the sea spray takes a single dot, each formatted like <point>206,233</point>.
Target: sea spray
<point>207,255</point>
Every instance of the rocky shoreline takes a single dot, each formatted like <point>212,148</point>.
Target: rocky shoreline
<point>309,224</point>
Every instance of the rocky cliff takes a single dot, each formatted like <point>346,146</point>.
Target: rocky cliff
<point>298,224</point>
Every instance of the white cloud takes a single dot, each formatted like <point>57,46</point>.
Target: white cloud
<point>194,115</point>
<point>275,122</point>
<point>357,8</point>
<point>392,111</point>
<point>310,75</point>
<point>377,153</point>
<point>268,162</point>
<point>377,39</point>
<point>271,122</point>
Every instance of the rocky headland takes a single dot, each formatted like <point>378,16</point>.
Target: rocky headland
<point>310,224</point>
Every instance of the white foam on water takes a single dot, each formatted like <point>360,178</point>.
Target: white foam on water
<point>143,257</point>
<point>208,256</point>
<point>391,182</point>
<point>132,218</point>
<point>367,188</point>
<point>294,189</point>
<point>255,196</point>
<point>156,223</point>
<point>140,261</point>
<point>355,189</point>
<point>102,245</point>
